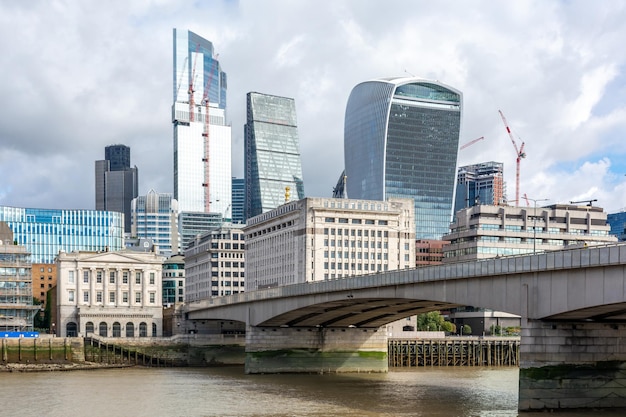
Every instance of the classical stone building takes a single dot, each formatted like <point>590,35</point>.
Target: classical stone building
<point>316,239</point>
<point>110,294</point>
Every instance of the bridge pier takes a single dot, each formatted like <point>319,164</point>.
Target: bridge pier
<point>315,350</point>
<point>567,365</point>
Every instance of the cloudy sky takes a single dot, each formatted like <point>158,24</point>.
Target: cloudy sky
<point>80,75</point>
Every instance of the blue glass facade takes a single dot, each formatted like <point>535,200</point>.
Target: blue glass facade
<point>617,221</point>
<point>44,232</point>
<point>239,200</point>
<point>272,153</point>
<point>401,139</point>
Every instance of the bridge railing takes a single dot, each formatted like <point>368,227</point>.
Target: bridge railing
<point>592,256</point>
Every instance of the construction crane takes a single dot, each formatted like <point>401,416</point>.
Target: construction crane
<point>519,152</point>
<point>192,90</point>
<point>589,202</point>
<point>526,198</point>
<point>471,142</point>
<point>205,134</point>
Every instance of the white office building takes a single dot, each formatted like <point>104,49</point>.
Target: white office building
<point>316,239</point>
<point>154,216</point>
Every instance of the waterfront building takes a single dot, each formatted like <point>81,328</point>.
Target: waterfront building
<point>116,182</point>
<point>401,140</point>
<point>617,222</point>
<point>174,280</point>
<point>272,153</point>
<point>239,200</point>
<point>155,216</point>
<point>486,231</point>
<point>480,184</point>
<point>45,232</point>
<point>44,278</point>
<point>16,285</point>
<point>429,252</point>
<point>111,294</point>
<point>317,239</point>
<point>202,138</point>
<point>215,264</point>
<point>193,224</point>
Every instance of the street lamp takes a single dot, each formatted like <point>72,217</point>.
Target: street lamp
<point>534,200</point>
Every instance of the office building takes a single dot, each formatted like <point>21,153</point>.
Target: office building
<point>272,153</point>
<point>480,184</point>
<point>429,252</point>
<point>317,239</point>
<point>116,182</point>
<point>215,264</point>
<point>111,294</point>
<point>239,201</point>
<point>174,280</point>
<point>486,231</point>
<point>155,216</point>
<point>194,224</point>
<point>401,139</point>
<point>617,222</point>
<point>45,232</point>
<point>202,138</point>
<point>16,295</point>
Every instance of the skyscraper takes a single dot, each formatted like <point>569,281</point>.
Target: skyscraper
<point>272,153</point>
<point>116,182</point>
<point>401,139</point>
<point>155,216</point>
<point>479,184</point>
<point>239,200</point>
<point>202,139</point>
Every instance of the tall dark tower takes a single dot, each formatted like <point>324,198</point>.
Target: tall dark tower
<point>116,182</point>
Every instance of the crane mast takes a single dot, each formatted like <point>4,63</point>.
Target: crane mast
<point>519,153</point>
<point>205,134</point>
<point>192,90</point>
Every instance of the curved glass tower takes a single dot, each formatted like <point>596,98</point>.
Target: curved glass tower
<point>401,139</point>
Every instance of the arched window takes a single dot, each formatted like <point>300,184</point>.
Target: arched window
<point>117,330</point>
<point>88,327</point>
<point>103,329</point>
<point>154,330</point>
<point>71,329</point>
<point>143,329</point>
<point>130,329</point>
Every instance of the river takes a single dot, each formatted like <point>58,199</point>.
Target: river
<point>228,391</point>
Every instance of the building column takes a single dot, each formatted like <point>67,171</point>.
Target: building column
<point>315,350</point>
<point>565,365</point>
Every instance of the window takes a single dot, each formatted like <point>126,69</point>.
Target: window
<point>112,297</point>
<point>138,297</point>
<point>151,278</point>
<point>125,277</point>
<point>125,297</point>
<point>99,297</point>
<point>138,278</point>
<point>86,296</point>
<point>152,298</point>
<point>70,296</point>
<point>112,277</point>
<point>99,277</point>
<point>86,277</point>
<point>70,277</point>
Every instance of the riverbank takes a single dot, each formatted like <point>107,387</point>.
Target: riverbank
<point>48,367</point>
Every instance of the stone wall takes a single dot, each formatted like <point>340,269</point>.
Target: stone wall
<point>42,350</point>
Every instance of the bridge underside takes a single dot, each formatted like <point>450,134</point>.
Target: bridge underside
<point>352,312</point>
<point>610,313</point>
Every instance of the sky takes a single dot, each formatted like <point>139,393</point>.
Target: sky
<point>81,75</point>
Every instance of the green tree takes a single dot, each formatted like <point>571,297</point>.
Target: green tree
<point>467,330</point>
<point>434,321</point>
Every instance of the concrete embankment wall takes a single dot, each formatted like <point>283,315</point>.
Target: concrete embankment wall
<point>42,350</point>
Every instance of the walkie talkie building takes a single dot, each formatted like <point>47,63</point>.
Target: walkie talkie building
<point>401,140</point>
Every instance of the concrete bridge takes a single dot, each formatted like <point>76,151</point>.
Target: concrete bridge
<point>572,304</point>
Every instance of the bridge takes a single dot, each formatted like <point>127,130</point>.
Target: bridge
<point>572,304</point>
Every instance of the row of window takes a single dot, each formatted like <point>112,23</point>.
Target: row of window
<point>112,277</point>
<point>359,244</point>
<point>358,255</point>
<point>345,220</point>
<point>355,266</point>
<point>112,296</point>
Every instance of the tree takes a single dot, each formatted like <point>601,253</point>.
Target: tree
<point>433,321</point>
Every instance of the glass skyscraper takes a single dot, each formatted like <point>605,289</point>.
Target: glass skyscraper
<point>202,139</point>
<point>239,201</point>
<point>272,153</point>
<point>401,140</point>
<point>44,232</point>
<point>155,216</point>
<point>479,184</point>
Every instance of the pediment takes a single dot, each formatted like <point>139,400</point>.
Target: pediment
<point>124,256</point>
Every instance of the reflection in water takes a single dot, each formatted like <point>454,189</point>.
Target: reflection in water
<point>228,392</point>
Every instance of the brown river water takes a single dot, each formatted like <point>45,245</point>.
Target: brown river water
<point>221,392</point>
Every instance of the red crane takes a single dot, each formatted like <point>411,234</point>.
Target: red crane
<point>471,142</point>
<point>192,90</point>
<point>519,152</point>
<point>207,175</point>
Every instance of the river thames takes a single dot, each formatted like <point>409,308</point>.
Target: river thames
<point>229,392</point>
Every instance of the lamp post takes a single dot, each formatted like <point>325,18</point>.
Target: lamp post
<point>534,200</point>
